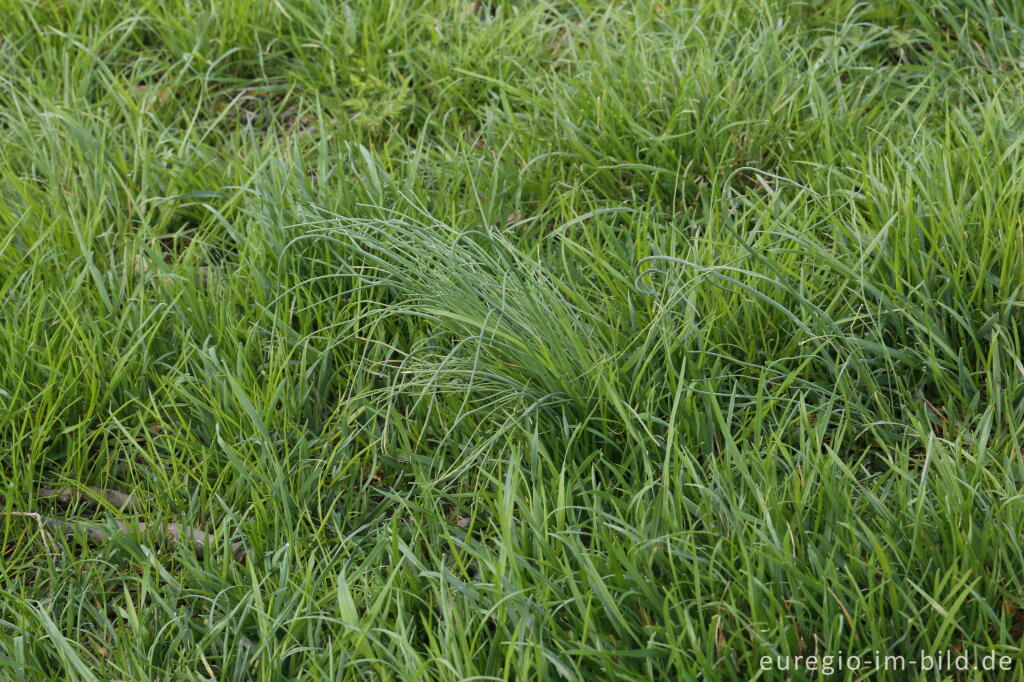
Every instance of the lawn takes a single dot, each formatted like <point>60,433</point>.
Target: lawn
<point>527,340</point>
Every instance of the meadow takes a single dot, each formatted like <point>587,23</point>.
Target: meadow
<point>524,340</point>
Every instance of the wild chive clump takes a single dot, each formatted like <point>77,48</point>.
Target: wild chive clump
<point>510,340</point>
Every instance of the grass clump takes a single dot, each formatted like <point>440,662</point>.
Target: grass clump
<point>509,340</point>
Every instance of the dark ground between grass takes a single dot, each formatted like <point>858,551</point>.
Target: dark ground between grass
<point>510,340</point>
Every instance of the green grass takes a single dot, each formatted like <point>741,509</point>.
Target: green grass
<point>514,340</point>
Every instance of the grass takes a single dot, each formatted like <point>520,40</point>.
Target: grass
<point>518,340</point>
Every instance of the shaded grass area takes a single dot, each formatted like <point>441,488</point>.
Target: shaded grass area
<point>515,340</point>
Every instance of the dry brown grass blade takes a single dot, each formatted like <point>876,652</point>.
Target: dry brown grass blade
<point>42,521</point>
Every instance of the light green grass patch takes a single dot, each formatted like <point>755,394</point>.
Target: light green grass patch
<point>513,340</point>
